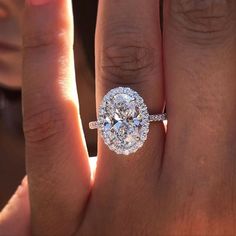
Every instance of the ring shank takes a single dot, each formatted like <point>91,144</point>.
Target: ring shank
<point>152,118</point>
<point>93,125</point>
<point>159,117</point>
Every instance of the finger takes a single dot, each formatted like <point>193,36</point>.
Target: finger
<point>15,217</point>
<point>128,54</point>
<point>200,53</point>
<point>57,161</point>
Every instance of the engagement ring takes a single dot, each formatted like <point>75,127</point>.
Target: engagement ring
<point>123,120</point>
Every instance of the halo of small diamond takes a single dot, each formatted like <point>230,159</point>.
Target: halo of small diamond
<point>123,120</point>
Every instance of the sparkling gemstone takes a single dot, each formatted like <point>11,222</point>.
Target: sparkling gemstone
<point>123,120</point>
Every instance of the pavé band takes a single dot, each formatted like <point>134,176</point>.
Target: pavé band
<point>152,118</point>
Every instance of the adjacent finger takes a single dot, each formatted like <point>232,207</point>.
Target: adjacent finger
<point>15,217</point>
<point>57,160</point>
<point>200,54</point>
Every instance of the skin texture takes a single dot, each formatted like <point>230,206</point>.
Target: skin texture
<point>181,182</point>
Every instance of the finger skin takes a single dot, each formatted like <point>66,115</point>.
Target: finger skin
<point>56,155</point>
<point>129,54</point>
<point>200,54</point>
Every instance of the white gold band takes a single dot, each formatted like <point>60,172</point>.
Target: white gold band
<point>159,117</point>
<point>152,118</point>
<point>93,125</point>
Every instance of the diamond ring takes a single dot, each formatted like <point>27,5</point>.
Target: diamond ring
<point>123,120</point>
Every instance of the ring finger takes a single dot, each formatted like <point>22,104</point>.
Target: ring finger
<point>129,54</point>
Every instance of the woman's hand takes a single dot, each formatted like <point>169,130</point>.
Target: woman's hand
<point>181,182</point>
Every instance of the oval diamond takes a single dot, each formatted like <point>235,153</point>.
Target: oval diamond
<point>123,120</point>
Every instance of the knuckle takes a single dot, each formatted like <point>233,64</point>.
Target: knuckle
<point>41,40</point>
<point>203,21</point>
<point>43,126</point>
<point>127,61</point>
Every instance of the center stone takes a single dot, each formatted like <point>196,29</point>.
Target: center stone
<point>124,120</point>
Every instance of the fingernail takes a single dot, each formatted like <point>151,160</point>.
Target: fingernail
<point>38,2</point>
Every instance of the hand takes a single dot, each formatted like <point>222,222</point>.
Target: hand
<point>181,182</point>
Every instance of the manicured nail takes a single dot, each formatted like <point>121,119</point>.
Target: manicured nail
<point>38,2</point>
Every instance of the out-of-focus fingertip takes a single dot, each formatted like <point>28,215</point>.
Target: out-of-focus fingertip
<point>15,217</point>
<point>24,181</point>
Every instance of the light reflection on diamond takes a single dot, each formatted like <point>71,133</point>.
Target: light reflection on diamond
<point>123,119</point>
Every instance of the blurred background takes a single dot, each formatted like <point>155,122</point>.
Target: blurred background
<point>12,166</point>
